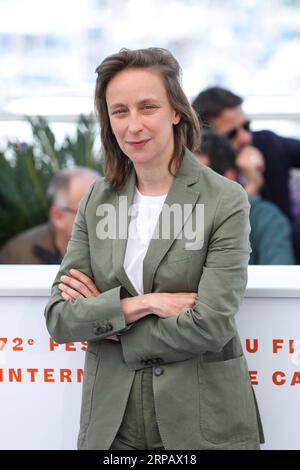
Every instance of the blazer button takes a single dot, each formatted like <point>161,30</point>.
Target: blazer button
<point>98,330</point>
<point>158,371</point>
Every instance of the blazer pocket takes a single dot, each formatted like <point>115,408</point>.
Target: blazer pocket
<point>227,411</point>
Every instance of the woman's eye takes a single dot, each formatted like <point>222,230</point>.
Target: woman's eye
<point>119,111</point>
<point>149,107</point>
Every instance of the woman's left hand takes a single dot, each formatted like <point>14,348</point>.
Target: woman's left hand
<point>77,286</point>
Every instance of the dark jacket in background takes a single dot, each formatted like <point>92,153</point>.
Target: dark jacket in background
<point>271,235</point>
<point>34,246</point>
<point>281,154</point>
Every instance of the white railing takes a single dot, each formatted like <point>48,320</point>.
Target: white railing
<point>40,382</point>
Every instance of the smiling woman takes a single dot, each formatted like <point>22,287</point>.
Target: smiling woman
<point>145,93</point>
<point>157,312</point>
<point>143,122</point>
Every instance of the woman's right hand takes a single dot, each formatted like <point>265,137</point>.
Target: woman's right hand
<point>166,305</point>
<point>163,305</point>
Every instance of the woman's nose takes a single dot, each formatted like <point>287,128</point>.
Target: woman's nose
<point>135,123</point>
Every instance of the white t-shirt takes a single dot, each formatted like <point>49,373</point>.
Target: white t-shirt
<point>145,214</point>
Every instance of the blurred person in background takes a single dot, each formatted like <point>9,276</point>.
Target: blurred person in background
<point>270,235</point>
<point>47,243</point>
<point>270,153</point>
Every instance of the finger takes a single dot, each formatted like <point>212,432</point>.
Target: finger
<point>113,338</point>
<point>85,280</point>
<point>76,286</point>
<point>66,296</point>
<point>74,294</point>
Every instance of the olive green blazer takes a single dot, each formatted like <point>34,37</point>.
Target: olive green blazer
<point>203,397</point>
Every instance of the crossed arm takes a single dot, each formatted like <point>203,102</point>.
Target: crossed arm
<point>174,327</point>
<point>79,286</point>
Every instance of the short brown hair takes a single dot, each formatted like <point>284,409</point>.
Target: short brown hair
<point>211,102</point>
<point>186,132</point>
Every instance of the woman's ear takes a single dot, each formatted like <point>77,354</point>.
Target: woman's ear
<point>176,117</point>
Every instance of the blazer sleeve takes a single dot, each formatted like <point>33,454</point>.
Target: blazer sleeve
<point>210,324</point>
<point>83,319</point>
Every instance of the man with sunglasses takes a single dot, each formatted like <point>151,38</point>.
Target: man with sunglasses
<point>47,243</point>
<point>221,109</point>
<point>264,150</point>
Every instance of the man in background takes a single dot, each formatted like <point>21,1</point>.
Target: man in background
<point>275,155</point>
<point>264,150</point>
<point>47,243</point>
<point>270,236</point>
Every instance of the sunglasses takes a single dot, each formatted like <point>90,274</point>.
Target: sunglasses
<point>233,132</point>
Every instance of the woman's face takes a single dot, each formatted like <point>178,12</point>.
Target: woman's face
<point>141,116</point>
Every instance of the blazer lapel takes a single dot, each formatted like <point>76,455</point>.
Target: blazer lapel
<point>123,201</point>
<point>185,197</point>
<point>181,194</point>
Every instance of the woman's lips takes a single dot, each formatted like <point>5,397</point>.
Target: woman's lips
<point>138,143</point>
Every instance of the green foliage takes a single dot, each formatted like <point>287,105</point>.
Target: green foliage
<point>26,171</point>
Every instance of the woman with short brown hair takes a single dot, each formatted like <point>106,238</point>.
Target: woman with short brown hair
<point>155,271</point>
